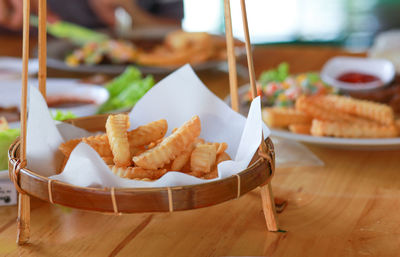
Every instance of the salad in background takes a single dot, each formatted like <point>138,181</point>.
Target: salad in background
<point>277,87</point>
<point>126,89</point>
<point>7,136</point>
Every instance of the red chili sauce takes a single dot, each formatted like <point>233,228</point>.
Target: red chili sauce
<point>357,77</point>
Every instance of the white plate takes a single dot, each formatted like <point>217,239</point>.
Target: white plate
<point>336,66</point>
<point>10,94</point>
<point>377,144</point>
<point>11,67</point>
<point>58,49</point>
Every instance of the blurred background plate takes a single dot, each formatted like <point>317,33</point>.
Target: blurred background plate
<point>57,50</point>
<point>332,142</point>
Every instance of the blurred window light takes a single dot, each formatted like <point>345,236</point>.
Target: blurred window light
<point>272,21</point>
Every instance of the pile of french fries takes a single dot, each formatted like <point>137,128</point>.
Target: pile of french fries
<point>145,154</point>
<point>335,116</point>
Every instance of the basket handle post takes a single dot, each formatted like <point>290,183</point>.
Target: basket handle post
<point>267,197</point>
<point>230,48</point>
<point>23,219</point>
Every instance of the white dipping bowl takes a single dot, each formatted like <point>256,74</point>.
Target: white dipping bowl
<point>10,94</point>
<point>383,69</point>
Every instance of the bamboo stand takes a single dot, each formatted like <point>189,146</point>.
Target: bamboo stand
<point>24,199</point>
<point>267,197</point>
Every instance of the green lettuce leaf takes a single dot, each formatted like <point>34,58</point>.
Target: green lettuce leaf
<point>275,75</point>
<point>126,90</point>
<point>6,138</point>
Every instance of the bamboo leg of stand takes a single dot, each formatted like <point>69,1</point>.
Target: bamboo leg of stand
<point>268,206</point>
<point>24,219</point>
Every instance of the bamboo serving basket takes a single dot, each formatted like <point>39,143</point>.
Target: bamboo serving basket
<point>135,200</point>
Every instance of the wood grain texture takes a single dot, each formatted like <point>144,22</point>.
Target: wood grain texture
<point>346,208</point>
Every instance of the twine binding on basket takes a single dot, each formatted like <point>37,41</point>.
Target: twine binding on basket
<point>114,202</point>
<point>170,202</point>
<point>50,192</point>
<point>267,154</point>
<point>238,186</point>
<point>14,174</point>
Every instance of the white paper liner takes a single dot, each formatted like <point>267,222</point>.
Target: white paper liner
<point>176,98</point>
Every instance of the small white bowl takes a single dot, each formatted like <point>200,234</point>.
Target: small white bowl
<point>383,69</point>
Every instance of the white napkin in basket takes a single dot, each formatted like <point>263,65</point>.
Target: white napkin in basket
<point>176,98</point>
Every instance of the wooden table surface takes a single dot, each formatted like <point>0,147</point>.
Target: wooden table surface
<point>346,208</point>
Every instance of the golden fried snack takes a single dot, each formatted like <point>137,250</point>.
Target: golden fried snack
<point>137,173</point>
<point>109,160</point>
<point>214,173</point>
<point>180,40</point>
<point>313,106</point>
<point>300,128</point>
<point>203,158</point>
<point>381,113</point>
<point>148,133</point>
<point>164,57</point>
<point>339,129</point>
<point>100,144</point>
<point>221,148</point>
<point>182,159</point>
<point>116,128</point>
<point>170,147</point>
<point>67,147</point>
<point>179,162</point>
<point>283,117</point>
<point>397,123</point>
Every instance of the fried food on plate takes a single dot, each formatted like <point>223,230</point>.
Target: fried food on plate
<point>314,107</point>
<point>378,112</point>
<point>283,117</point>
<point>116,128</point>
<point>348,130</point>
<point>300,128</point>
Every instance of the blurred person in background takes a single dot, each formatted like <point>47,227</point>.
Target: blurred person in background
<point>96,13</point>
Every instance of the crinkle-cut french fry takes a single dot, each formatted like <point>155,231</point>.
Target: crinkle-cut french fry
<point>170,147</point>
<point>338,129</point>
<point>137,150</point>
<point>137,173</point>
<point>397,123</point>
<point>100,144</point>
<point>148,133</point>
<point>183,158</point>
<point>300,128</point>
<point>116,128</point>
<point>109,160</point>
<point>221,147</point>
<point>381,113</point>
<point>67,147</point>
<point>283,117</point>
<point>316,109</point>
<point>203,158</point>
<point>214,173</point>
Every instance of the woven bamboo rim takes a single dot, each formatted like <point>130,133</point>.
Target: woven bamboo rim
<point>136,200</point>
